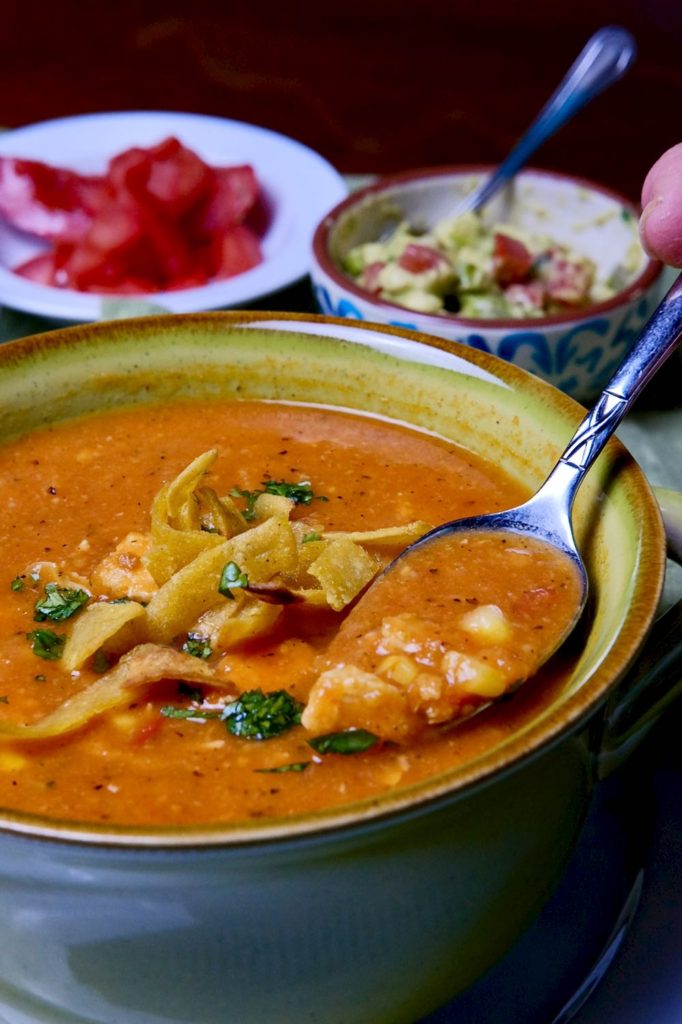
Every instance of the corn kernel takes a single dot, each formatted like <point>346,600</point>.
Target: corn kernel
<point>486,623</point>
<point>11,762</point>
<point>126,721</point>
<point>392,774</point>
<point>401,669</point>
<point>473,675</point>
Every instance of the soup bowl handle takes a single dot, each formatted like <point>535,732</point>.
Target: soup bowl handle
<point>655,679</point>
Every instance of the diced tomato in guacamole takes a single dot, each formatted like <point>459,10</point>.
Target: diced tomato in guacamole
<point>512,262</point>
<point>467,267</point>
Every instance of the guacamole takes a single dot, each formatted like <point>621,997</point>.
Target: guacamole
<point>465,267</point>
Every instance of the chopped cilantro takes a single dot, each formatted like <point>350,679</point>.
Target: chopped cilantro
<point>46,644</point>
<point>295,766</point>
<point>17,583</point>
<point>626,214</point>
<point>197,645</point>
<point>250,498</point>
<point>350,741</point>
<point>260,716</point>
<point>254,715</point>
<point>59,603</point>
<point>307,537</point>
<point>300,493</point>
<point>232,578</point>
<point>170,711</point>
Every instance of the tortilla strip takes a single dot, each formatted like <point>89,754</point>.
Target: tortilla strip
<point>262,552</point>
<point>177,534</point>
<point>144,664</point>
<point>221,514</point>
<point>386,535</point>
<point>267,505</point>
<point>181,505</point>
<point>235,621</point>
<point>312,595</point>
<point>172,549</point>
<point>343,570</point>
<point>98,625</point>
<point>308,553</point>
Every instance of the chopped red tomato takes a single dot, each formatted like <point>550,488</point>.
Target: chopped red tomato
<point>237,250</point>
<point>194,279</point>
<point>178,178</point>
<point>115,228</point>
<point>233,194</point>
<point>168,177</point>
<point>370,276</point>
<point>417,258</point>
<point>567,282</point>
<point>49,202</point>
<point>160,218</point>
<point>40,269</point>
<point>530,295</point>
<point>512,262</point>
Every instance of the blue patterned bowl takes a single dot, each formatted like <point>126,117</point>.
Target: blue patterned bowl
<point>576,350</point>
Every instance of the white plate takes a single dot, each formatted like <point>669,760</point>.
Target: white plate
<point>299,185</point>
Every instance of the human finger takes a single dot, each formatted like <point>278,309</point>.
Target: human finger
<point>660,225</point>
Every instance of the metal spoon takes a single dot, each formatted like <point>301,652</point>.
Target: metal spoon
<point>546,517</point>
<point>603,60</point>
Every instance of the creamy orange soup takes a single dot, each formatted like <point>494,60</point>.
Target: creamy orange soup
<point>76,519</point>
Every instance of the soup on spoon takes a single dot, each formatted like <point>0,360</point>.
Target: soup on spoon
<point>471,617</point>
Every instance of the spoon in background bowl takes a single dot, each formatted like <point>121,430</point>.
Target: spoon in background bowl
<point>603,60</point>
<point>414,593</point>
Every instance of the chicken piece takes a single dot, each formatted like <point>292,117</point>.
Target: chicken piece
<point>407,633</point>
<point>346,697</point>
<point>123,574</point>
<point>464,685</point>
<point>48,572</point>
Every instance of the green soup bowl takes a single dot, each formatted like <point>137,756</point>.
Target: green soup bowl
<point>369,913</point>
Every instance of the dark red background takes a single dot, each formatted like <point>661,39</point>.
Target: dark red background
<point>379,85</point>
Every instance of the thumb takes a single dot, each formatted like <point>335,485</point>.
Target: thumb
<point>660,225</point>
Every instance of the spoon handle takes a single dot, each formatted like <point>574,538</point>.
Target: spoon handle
<point>603,60</point>
<point>660,337</point>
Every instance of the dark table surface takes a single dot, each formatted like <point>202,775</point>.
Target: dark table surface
<point>374,85</point>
